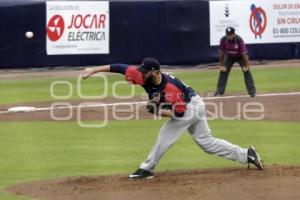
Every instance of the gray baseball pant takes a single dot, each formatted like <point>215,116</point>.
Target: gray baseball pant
<point>194,120</point>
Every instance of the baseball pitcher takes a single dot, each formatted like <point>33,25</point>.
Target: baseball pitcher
<point>170,97</point>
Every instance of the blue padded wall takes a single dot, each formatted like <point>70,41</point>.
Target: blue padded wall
<point>175,32</point>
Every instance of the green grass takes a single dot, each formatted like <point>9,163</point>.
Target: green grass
<point>266,79</point>
<point>18,91</point>
<point>44,150</point>
<point>40,150</point>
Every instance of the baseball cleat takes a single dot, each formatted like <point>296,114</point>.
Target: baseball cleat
<point>254,158</point>
<point>141,174</point>
<point>217,94</point>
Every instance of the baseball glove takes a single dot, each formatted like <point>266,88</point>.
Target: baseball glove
<point>152,106</point>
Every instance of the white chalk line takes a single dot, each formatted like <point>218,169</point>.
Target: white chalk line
<point>90,105</point>
<point>248,96</point>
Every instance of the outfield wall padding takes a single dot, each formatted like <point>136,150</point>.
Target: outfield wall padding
<point>175,32</point>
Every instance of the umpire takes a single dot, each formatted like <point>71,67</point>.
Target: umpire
<point>233,49</point>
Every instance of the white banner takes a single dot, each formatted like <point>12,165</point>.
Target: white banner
<point>77,27</point>
<point>256,21</point>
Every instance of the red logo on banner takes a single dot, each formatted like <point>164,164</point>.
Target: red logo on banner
<point>55,28</point>
<point>258,20</point>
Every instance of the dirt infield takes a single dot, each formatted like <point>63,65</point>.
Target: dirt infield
<point>276,108</point>
<point>275,183</point>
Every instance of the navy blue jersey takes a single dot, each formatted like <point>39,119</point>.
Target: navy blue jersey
<point>171,90</point>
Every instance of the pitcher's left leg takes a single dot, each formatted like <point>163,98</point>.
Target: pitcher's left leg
<point>168,135</point>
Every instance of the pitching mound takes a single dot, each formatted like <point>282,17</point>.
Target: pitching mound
<point>275,183</point>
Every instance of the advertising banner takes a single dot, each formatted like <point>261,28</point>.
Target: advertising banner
<point>77,27</point>
<point>256,21</point>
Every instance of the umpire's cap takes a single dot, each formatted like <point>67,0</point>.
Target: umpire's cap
<point>149,64</point>
<point>230,31</point>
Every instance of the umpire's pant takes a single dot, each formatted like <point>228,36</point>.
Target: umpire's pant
<point>223,77</point>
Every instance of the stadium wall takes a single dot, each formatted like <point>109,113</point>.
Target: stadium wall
<point>175,32</point>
